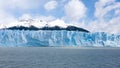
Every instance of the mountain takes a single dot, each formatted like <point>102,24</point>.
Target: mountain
<point>68,28</point>
<point>31,24</point>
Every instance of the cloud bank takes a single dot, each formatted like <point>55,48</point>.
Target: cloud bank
<point>74,10</point>
<point>107,17</point>
<point>50,5</point>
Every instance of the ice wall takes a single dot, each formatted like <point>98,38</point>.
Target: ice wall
<point>57,38</point>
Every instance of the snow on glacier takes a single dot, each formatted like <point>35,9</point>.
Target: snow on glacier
<point>57,38</point>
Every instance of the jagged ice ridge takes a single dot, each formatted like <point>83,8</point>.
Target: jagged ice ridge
<point>18,38</point>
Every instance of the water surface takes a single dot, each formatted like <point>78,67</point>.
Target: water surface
<point>59,57</point>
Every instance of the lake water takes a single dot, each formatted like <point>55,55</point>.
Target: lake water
<point>59,57</point>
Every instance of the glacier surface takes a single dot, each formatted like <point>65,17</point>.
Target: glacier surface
<point>19,38</point>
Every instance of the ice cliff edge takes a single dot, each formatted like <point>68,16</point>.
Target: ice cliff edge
<point>57,38</point>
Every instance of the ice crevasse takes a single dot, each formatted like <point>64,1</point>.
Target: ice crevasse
<point>20,38</point>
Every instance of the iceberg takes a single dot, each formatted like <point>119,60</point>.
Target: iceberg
<point>18,38</point>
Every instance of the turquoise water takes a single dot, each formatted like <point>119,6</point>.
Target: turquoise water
<point>59,57</point>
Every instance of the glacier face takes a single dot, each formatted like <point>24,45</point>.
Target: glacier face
<point>57,38</point>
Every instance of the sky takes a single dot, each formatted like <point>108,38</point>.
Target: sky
<point>93,15</point>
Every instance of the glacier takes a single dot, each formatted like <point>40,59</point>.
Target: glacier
<point>18,38</point>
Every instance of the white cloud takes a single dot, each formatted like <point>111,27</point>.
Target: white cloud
<point>104,23</point>
<point>50,5</point>
<point>8,6</point>
<point>46,18</point>
<point>105,6</point>
<point>25,16</point>
<point>58,22</point>
<point>114,25</point>
<point>117,12</point>
<point>6,17</point>
<point>75,10</point>
<point>39,17</point>
<point>22,4</point>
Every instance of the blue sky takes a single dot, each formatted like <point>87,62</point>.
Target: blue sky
<point>94,15</point>
<point>57,12</point>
